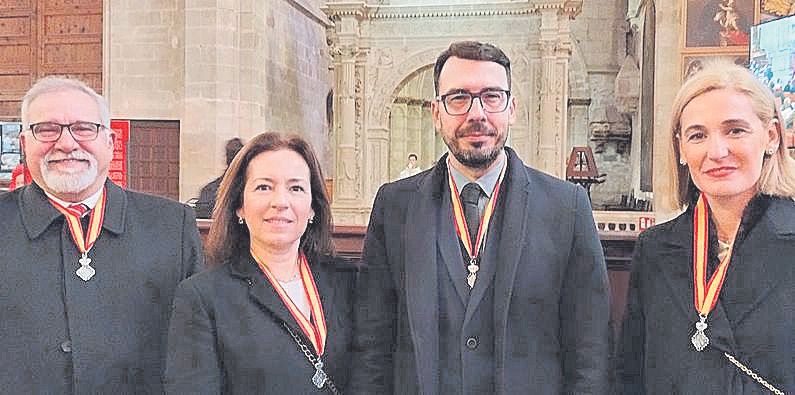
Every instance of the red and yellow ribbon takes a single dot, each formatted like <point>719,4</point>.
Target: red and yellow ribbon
<point>705,294</point>
<point>85,242</point>
<point>314,330</point>
<point>460,220</point>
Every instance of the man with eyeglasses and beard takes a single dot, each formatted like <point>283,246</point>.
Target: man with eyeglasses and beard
<point>481,275</point>
<point>89,269</point>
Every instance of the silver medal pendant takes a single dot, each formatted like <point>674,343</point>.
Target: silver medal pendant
<point>700,339</point>
<point>85,271</point>
<point>472,268</point>
<point>320,377</point>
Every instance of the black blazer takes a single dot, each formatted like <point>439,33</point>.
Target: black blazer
<point>226,334</point>
<point>550,288</point>
<point>61,335</point>
<point>754,319</point>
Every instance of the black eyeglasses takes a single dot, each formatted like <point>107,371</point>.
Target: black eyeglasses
<point>459,103</point>
<point>48,132</point>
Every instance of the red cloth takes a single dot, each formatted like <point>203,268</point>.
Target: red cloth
<point>20,169</point>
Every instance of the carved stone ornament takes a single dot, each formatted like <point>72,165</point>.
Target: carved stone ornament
<point>627,86</point>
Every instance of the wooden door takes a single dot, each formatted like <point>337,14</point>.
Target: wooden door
<point>153,152</point>
<point>46,37</point>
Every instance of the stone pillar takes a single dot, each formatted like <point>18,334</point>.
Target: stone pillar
<point>397,136</point>
<point>555,44</point>
<point>346,128</point>
<point>348,55</point>
<point>428,154</point>
<point>413,129</point>
<point>210,92</point>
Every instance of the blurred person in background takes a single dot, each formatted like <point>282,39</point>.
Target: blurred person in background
<point>206,203</point>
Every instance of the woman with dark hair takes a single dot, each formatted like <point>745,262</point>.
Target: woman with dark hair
<point>273,312</point>
<point>711,299</point>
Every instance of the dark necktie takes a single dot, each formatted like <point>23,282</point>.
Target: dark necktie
<point>470,195</point>
<point>81,210</point>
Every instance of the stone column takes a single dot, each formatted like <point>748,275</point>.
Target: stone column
<point>346,127</point>
<point>211,65</point>
<point>397,138</point>
<point>555,44</point>
<point>348,54</point>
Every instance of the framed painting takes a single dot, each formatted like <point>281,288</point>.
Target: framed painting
<point>774,9</point>
<point>718,23</point>
<point>692,64</point>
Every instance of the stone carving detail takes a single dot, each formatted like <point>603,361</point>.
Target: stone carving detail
<point>358,111</point>
<point>614,127</point>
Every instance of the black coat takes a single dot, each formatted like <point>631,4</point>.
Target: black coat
<point>754,319</point>
<point>61,335</point>
<point>226,334</point>
<point>550,288</point>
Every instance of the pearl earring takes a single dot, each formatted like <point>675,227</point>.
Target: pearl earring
<point>682,162</point>
<point>312,219</point>
<point>240,220</point>
<point>770,151</point>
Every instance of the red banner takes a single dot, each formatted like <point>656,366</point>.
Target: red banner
<point>118,166</point>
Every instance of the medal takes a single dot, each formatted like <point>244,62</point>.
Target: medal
<point>320,377</point>
<point>85,271</point>
<point>472,268</point>
<point>705,294</point>
<point>84,243</point>
<point>459,220</point>
<point>699,339</point>
<point>315,330</point>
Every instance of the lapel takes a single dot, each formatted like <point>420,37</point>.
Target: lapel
<point>38,213</point>
<point>502,233</point>
<point>762,268</point>
<point>449,245</point>
<point>421,275</point>
<point>511,233</point>
<point>676,269</point>
<point>260,290</point>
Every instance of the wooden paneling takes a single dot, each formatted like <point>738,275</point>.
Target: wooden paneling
<point>46,37</point>
<point>153,153</point>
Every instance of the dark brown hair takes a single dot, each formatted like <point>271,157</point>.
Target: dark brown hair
<point>228,239</point>
<point>471,50</point>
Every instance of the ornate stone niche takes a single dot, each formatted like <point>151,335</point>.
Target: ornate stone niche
<point>377,49</point>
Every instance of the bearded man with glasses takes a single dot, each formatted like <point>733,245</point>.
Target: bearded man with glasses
<point>481,275</point>
<point>89,269</point>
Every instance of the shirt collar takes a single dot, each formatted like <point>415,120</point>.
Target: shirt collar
<point>90,201</point>
<point>486,182</point>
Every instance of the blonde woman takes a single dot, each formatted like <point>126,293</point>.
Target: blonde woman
<point>711,294</point>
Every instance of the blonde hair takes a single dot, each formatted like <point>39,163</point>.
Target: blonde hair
<point>778,169</point>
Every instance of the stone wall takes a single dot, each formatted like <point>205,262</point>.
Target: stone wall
<point>599,34</point>
<point>223,68</point>
<point>145,56</point>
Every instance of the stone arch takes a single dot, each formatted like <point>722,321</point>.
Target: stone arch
<point>386,89</point>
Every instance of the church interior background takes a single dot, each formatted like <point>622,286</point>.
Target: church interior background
<point>355,78</point>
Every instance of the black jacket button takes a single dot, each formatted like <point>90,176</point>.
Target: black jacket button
<point>472,343</point>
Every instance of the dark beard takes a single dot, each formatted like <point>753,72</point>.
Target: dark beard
<point>476,158</point>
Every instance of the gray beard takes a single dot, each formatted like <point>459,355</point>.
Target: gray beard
<point>60,182</point>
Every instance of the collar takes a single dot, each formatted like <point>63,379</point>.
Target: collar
<point>38,214</point>
<point>486,182</point>
<point>90,201</point>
